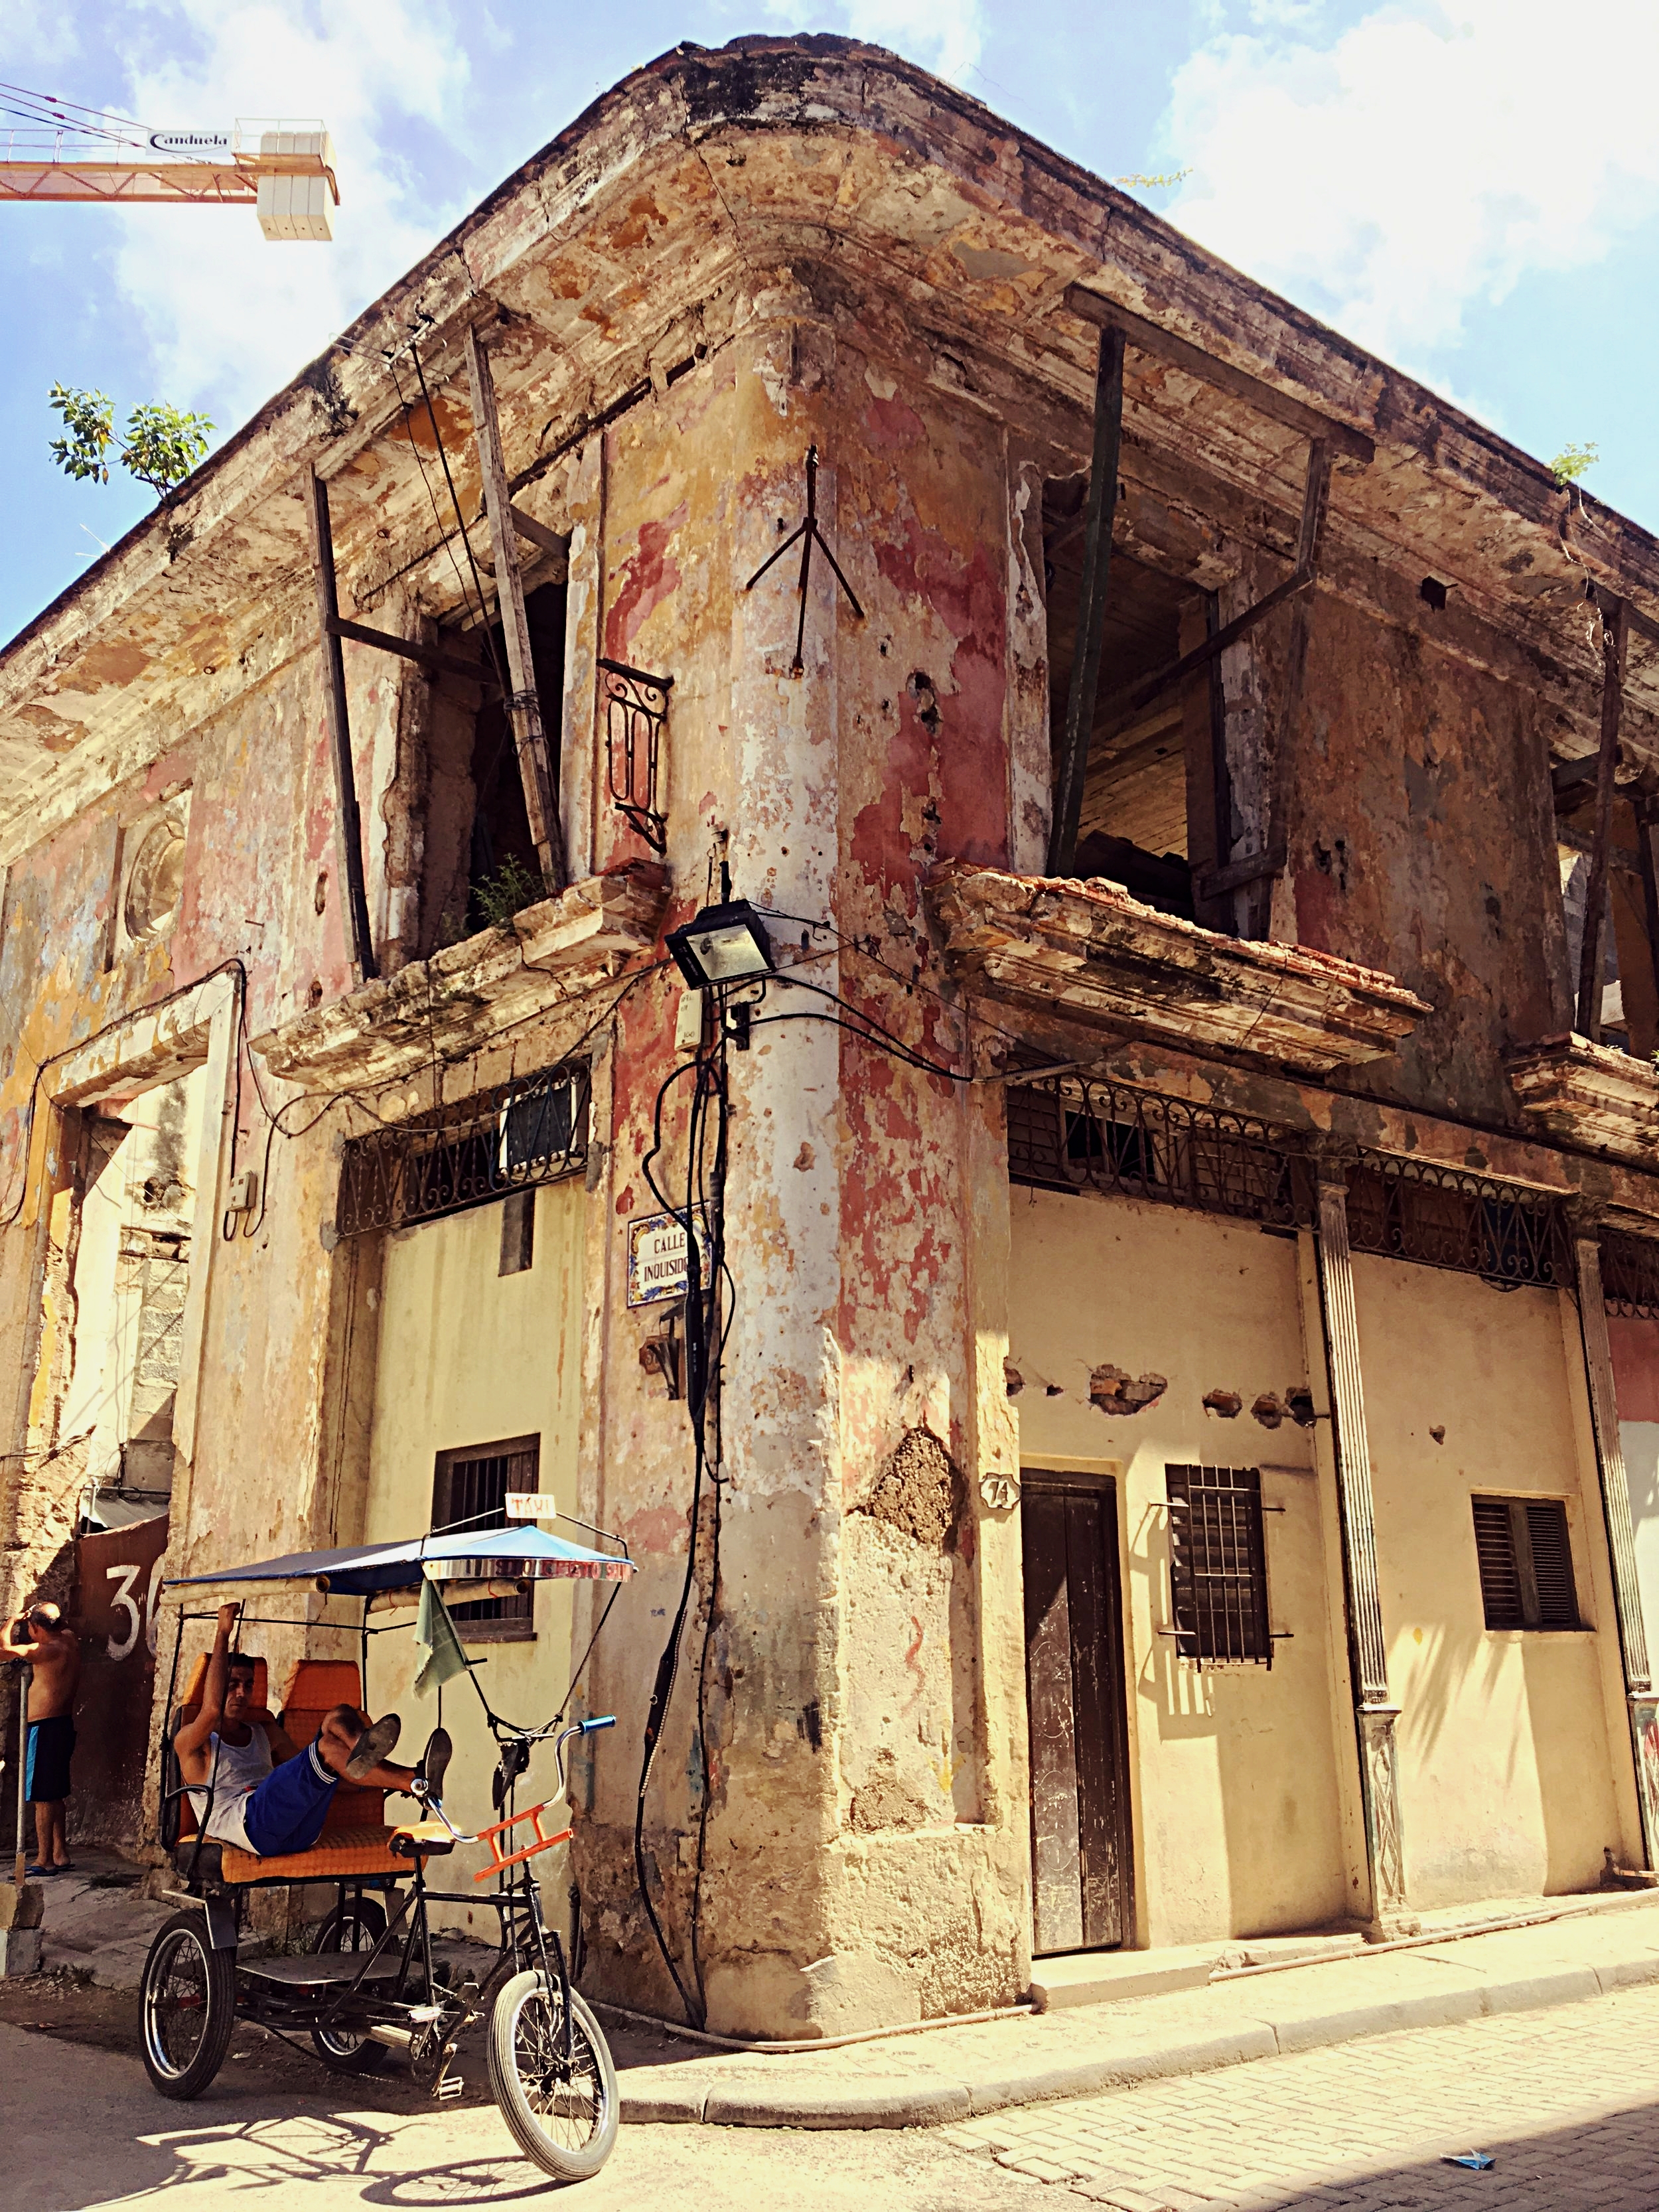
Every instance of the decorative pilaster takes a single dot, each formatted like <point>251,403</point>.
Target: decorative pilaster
<point>1639,1698</point>
<point>1375,1714</point>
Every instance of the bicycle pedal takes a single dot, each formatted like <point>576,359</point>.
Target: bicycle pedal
<point>447,2088</point>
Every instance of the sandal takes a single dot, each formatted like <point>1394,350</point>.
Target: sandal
<point>434,1763</point>
<point>35,1872</point>
<point>372,1746</point>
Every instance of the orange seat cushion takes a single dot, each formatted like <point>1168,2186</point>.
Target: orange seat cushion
<point>347,1851</point>
<point>316,1686</point>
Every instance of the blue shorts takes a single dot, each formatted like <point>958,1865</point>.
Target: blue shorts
<point>286,1812</point>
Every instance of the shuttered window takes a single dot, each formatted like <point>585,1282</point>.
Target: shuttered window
<point>1526,1563</point>
<point>1219,1563</point>
<point>468,1490</point>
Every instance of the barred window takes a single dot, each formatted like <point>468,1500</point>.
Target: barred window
<point>470,1488</point>
<point>1525,1560</point>
<point>1219,1563</point>
<point>474,1151</point>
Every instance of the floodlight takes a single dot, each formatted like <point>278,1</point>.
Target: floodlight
<point>721,945</point>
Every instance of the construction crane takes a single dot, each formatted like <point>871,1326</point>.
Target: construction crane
<point>54,150</point>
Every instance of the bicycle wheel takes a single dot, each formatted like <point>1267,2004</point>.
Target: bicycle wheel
<point>563,2112</point>
<point>187,2007</point>
<point>357,1925</point>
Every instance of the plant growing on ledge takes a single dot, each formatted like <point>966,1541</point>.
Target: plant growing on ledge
<point>160,447</point>
<point>507,890</point>
<point>1572,461</point>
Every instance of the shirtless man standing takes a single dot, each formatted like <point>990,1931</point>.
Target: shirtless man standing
<point>253,1786</point>
<point>53,1650</point>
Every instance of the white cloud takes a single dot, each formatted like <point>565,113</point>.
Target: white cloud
<point>229,317</point>
<point>946,36</point>
<point>1423,160</point>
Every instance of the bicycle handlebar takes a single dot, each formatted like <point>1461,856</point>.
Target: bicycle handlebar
<point>606,1720</point>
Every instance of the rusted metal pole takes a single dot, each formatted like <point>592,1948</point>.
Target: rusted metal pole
<point>524,705</point>
<point>1592,956</point>
<point>1091,606</point>
<point>349,830</point>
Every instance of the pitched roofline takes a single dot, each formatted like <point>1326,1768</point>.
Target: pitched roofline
<point>735,85</point>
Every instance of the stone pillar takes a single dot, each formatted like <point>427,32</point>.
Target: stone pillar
<point>1639,1698</point>
<point>1375,1713</point>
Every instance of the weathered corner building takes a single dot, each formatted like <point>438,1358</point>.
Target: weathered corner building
<point>1173,1477</point>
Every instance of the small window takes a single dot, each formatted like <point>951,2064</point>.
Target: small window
<point>469,1489</point>
<point>1526,1563</point>
<point>1219,1563</point>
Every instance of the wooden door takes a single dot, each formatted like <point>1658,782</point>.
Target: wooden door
<point>1074,1690</point>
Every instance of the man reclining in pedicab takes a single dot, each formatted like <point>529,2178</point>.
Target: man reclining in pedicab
<point>268,1796</point>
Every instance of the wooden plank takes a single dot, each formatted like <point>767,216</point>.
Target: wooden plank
<point>1592,958</point>
<point>1141,695</point>
<point>1237,874</point>
<point>524,704</point>
<point>1056,1883</point>
<point>538,534</point>
<point>1316,500</point>
<point>1091,606</point>
<point>348,826</point>
<point>408,648</point>
<point>1266,398</point>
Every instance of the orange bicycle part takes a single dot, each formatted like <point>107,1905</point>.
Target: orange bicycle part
<point>513,1858</point>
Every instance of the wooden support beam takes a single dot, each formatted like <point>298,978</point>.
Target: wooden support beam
<point>1266,398</point>
<point>1237,874</point>
<point>1091,606</point>
<point>1593,953</point>
<point>538,534</point>
<point>1316,500</point>
<point>348,833</point>
<point>1646,869</point>
<point>408,648</point>
<point>1139,697</point>
<point>524,703</point>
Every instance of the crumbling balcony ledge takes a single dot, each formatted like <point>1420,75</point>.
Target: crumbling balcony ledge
<point>1590,1094</point>
<point>1091,952</point>
<point>459,1000</point>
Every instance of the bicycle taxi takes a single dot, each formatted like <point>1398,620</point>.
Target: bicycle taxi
<point>369,1983</point>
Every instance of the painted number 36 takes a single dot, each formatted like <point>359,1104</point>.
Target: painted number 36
<point>122,1600</point>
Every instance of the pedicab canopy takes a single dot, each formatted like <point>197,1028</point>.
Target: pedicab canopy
<point>524,1554</point>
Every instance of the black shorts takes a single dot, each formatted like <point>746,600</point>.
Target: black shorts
<point>51,1745</point>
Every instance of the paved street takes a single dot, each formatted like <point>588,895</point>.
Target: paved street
<point>1568,2101</point>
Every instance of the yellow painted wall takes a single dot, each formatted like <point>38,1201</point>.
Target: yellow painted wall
<point>1506,1767</point>
<point>1237,1829</point>
<point>468,1356</point>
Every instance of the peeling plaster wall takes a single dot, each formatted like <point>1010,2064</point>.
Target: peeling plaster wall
<point>1511,1742</point>
<point>1234,1769</point>
<point>1425,846</point>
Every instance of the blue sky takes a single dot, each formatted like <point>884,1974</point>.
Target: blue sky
<point>1469,187</point>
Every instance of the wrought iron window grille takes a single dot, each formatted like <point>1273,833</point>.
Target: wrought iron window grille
<point>1511,1236</point>
<point>470,1486</point>
<point>636,719</point>
<point>1072,1134</point>
<point>1067,1133</point>
<point>532,1130</point>
<point>1630,1275</point>
<point>1218,1565</point>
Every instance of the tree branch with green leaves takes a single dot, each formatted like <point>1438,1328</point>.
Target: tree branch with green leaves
<point>160,447</point>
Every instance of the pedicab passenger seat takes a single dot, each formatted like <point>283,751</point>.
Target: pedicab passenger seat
<point>355,1840</point>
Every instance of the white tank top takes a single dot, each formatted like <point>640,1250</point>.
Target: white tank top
<point>241,1768</point>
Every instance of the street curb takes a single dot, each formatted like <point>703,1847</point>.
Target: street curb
<point>918,2103</point>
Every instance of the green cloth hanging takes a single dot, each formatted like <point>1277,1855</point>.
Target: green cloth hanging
<point>435,1632</point>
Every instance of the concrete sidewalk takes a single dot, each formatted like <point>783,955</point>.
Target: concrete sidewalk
<point>951,2073</point>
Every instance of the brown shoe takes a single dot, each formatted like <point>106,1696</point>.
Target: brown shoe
<point>373,1746</point>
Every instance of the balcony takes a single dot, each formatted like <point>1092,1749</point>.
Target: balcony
<point>1089,952</point>
<point>1591,1094</point>
<point>457,1001</point>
